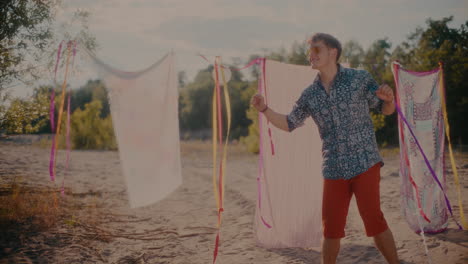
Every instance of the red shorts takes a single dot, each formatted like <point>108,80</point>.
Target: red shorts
<point>337,195</point>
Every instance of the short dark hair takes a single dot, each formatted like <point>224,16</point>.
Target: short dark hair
<point>329,40</point>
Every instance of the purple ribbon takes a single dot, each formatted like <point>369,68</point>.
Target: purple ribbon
<point>68,143</point>
<point>52,116</point>
<point>59,52</point>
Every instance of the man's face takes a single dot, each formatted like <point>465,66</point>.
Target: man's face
<point>320,55</point>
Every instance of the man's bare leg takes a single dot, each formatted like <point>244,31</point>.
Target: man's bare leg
<point>386,244</point>
<point>330,250</point>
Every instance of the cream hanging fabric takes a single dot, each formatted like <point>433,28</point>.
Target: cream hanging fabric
<point>144,109</point>
<point>291,185</point>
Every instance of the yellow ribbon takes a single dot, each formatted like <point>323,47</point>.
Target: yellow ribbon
<point>219,193</point>
<point>215,145</point>
<point>228,112</point>
<point>62,103</point>
<point>452,159</point>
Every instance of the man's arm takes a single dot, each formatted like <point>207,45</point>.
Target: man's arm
<point>277,119</point>
<point>388,107</point>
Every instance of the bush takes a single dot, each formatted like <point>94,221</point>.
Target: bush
<point>252,140</point>
<point>89,130</point>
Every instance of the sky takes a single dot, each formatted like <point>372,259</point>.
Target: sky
<point>133,34</point>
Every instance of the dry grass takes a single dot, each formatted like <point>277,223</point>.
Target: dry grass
<point>20,205</point>
<point>44,143</point>
<point>36,221</point>
<point>29,214</point>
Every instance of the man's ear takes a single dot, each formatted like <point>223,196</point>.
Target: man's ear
<point>334,52</point>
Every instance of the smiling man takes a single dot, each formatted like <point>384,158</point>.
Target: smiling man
<point>338,101</point>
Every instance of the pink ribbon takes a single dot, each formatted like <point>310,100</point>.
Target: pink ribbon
<point>266,100</point>
<point>261,82</point>
<point>59,52</point>
<point>52,128</point>
<point>62,191</point>
<point>52,115</point>
<point>68,143</point>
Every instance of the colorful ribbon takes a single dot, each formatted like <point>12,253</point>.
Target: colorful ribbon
<point>52,115</point>
<point>261,168</point>
<point>218,187</point>
<point>447,133</point>
<point>68,142</point>
<point>218,132</point>
<point>263,66</point>
<point>54,128</point>
<point>59,52</point>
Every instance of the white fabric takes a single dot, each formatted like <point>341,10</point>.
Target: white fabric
<point>292,186</point>
<point>144,108</point>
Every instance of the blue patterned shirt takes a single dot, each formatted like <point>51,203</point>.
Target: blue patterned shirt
<point>344,122</point>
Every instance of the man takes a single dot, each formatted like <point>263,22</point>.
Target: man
<point>339,100</point>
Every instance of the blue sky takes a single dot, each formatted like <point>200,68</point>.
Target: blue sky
<point>132,34</point>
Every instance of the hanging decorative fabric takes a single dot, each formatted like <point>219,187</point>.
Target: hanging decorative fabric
<point>419,101</point>
<point>291,184</point>
<point>144,109</point>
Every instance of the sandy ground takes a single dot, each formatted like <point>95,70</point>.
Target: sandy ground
<point>180,228</point>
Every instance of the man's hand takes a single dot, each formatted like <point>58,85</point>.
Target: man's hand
<point>258,102</point>
<point>278,120</point>
<point>385,93</point>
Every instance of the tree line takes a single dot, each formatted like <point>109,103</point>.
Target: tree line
<point>421,51</point>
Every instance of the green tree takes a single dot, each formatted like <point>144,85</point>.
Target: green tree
<point>422,51</point>
<point>26,26</point>
<point>196,99</point>
<point>195,103</point>
<point>27,115</point>
<point>182,79</point>
<point>93,90</point>
<point>377,60</point>
<point>352,53</point>
<point>28,45</point>
<point>299,54</point>
<point>441,43</point>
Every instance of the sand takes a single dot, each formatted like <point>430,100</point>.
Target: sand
<point>99,226</point>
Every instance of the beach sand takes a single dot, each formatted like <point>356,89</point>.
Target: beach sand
<point>97,225</point>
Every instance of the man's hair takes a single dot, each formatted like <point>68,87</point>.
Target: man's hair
<point>329,40</point>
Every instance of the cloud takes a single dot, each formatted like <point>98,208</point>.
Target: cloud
<point>130,30</point>
<point>231,33</point>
